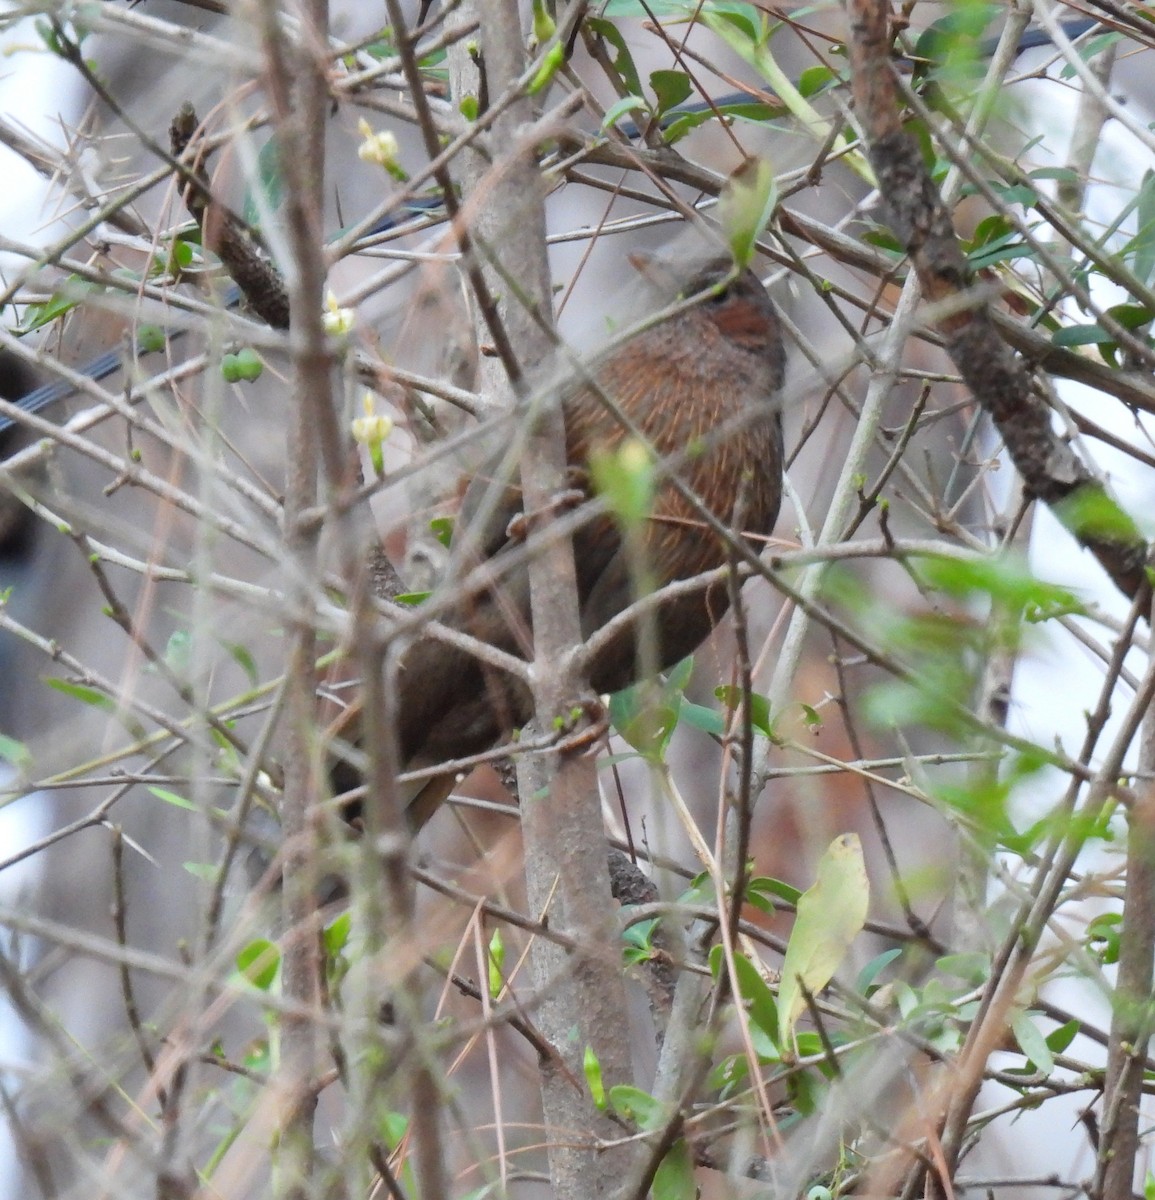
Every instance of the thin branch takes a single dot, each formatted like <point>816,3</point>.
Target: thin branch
<point>1049,467</point>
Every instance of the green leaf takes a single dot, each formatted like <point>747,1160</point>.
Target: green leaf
<point>1088,49</point>
<point>952,41</point>
<point>811,717</point>
<point>1090,512</point>
<point>1004,249</point>
<point>731,697</point>
<point>639,942</point>
<point>1131,316</point>
<point>68,295</point>
<point>883,239</point>
<point>258,962</point>
<point>972,967</point>
<point>1016,193</point>
<point>621,59</point>
<point>678,676</point>
<point>670,88</point>
<point>804,1090</point>
<point>700,893</point>
<point>14,752</point>
<point>674,1178</point>
<point>775,887</point>
<point>1032,1043</point>
<point>442,529</point>
<point>86,695</point>
<point>394,1127</point>
<point>268,194</point>
<point>985,802</point>
<point>759,1000</point>
<point>931,701</point>
<point>1064,174</point>
<point>173,799</point>
<point>336,934</point>
<point>709,720</point>
<point>728,1075</point>
<point>411,599</point>
<point>433,65</point>
<point>181,255</point>
<point>1059,1039</point>
<point>646,716</point>
<point>745,206</point>
<point>743,24</point>
<point>1080,335</point>
<point>1006,579</point>
<point>867,976</point>
<point>244,659</point>
<point>1103,935</point>
<point>676,124</point>
<point>625,105</point>
<point>635,10</point>
<point>178,651</point>
<point>206,872</point>
<point>1025,844</point>
<point>1141,248</point>
<point>814,79</point>
<point>383,46</point>
<point>632,1104</point>
<point>831,914</point>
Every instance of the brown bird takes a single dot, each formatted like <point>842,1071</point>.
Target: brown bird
<point>701,386</point>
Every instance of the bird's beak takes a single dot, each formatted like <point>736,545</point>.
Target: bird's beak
<point>654,270</point>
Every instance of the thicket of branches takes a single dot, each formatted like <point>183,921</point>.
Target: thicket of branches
<point>860,909</point>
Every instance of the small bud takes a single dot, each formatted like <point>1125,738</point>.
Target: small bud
<point>544,26</point>
<point>336,320</point>
<point>370,431</point>
<point>380,148</point>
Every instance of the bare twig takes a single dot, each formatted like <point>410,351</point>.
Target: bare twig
<point>1049,467</point>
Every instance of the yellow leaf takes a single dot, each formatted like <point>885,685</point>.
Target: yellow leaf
<point>831,914</point>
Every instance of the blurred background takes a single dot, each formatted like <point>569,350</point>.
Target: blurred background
<point>107,851</point>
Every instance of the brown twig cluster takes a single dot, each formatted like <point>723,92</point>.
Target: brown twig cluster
<point>354,1010</point>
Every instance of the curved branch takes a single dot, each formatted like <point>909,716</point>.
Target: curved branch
<point>1051,470</point>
